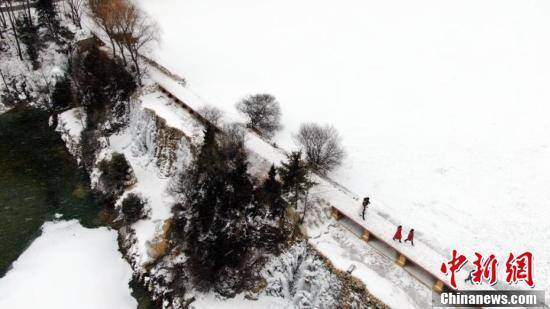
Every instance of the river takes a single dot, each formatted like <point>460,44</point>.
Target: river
<point>40,180</point>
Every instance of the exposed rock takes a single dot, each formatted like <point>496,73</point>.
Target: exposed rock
<point>168,147</point>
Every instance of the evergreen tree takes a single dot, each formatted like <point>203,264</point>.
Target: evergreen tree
<point>270,194</point>
<point>47,16</point>
<point>294,174</point>
<point>232,215</point>
<point>62,95</point>
<point>205,193</point>
<point>179,224</point>
<point>102,83</point>
<point>132,208</point>
<point>114,173</point>
<point>219,190</point>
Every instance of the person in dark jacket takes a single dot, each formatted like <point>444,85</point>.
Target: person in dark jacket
<point>410,237</point>
<point>397,235</point>
<point>366,202</point>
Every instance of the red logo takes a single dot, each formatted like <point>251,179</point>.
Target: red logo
<point>455,264</point>
<point>520,268</point>
<point>485,270</point>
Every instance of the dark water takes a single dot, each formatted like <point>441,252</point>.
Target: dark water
<point>39,178</point>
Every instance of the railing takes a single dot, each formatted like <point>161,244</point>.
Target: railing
<point>384,248</point>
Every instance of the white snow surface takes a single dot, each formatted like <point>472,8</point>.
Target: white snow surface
<point>442,104</point>
<point>73,121</point>
<point>208,301</point>
<point>68,267</point>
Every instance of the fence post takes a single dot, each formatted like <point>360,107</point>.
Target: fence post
<point>438,286</point>
<point>366,235</point>
<point>401,260</point>
<point>337,215</point>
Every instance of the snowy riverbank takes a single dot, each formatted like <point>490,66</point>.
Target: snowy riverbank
<point>68,267</point>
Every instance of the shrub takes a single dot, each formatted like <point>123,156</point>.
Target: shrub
<point>212,114</point>
<point>61,96</point>
<point>114,172</point>
<point>133,208</point>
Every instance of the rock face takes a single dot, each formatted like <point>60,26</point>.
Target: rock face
<point>168,147</point>
<point>70,124</point>
<point>154,141</point>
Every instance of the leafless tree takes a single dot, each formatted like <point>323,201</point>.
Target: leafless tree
<point>76,7</point>
<point>211,113</point>
<point>135,31</point>
<point>2,19</point>
<point>263,113</point>
<point>11,17</point>
<point>3,7</point>
<point>321,146</point>
<point>234,133</point>
<point>4,81</point>
<point>103,13</point>
<point>27,6</point>
<point>127,27</point>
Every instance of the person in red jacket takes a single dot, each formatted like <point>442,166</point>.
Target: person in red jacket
<point>398,235</point>
<point>410,237</point>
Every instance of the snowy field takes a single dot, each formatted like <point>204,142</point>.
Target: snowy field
<point>68,267</point>
<point>442,105</point>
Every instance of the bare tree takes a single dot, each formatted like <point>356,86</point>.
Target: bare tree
<point>3,7</point>
<point>321,146</point>
<point>135,31</point>
<point>103,13</point>
<point>11,17</point>
<point>234,134</point>
<point>263,113</point>
<point>28,12</point>
<point>76,7</point>
<point>127,27</point>
<point>211,113</point>
<point>2,19</point>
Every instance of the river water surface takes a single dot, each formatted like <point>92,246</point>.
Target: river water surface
<point>39,179</point>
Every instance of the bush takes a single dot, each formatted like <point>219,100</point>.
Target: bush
<point>114,173</point>
<point>263,112</point>
<point>212,114</point>
<point>133,208</point>
<point>321,146</point>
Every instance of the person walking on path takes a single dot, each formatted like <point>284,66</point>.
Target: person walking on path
<point>410,237</point>
<point>398,235</point>
<point>366,202</point>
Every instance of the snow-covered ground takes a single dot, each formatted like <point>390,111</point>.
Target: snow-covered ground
<point>69,266</point>
<point>211,301</point>
<point>442,104</point>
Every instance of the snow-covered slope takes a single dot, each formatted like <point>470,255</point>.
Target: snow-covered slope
<point>442,104</point>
